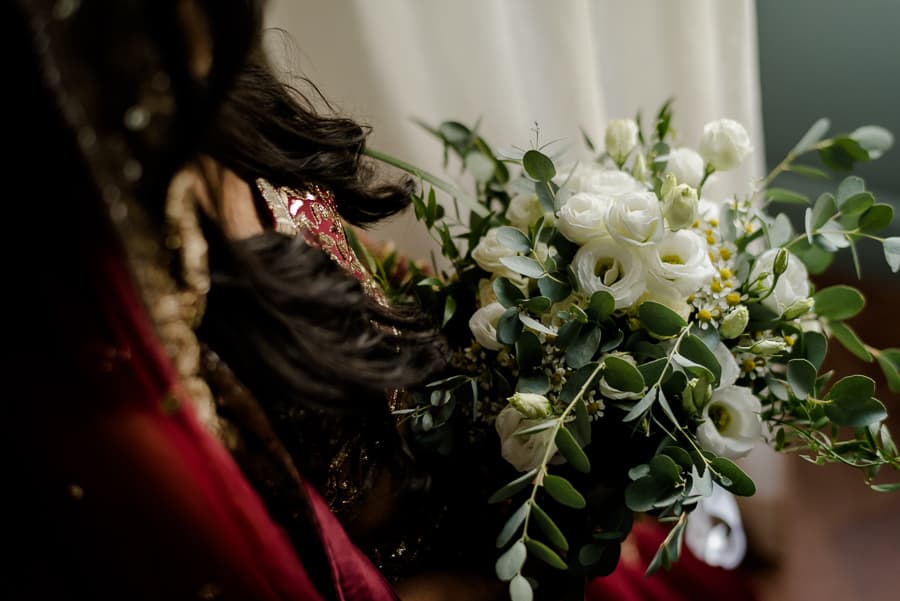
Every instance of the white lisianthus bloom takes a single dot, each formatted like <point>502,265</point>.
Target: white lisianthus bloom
<point>524,210</point>
<point>681,261</point>
<point>597,180</point>
<point>531,405</point>
<point>621,138</point>
<point>708,210</point>
<point>635,218</point>
<point>488,253</point>
<point>604,264</point>
<point>583,217</point>
<point>724,144</point>
<point>483,324</point>
<point>731,371</point>
<point>731,426</point>
<point>792,286</point>
<point>522,452</point>
<point>686,165</point>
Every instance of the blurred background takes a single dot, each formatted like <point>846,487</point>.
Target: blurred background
<point>775,66</point>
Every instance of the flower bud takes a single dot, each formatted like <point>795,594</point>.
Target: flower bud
<point>530,405</point>
<point>679,205</point>
<point>768,348</point>
<point>696,395</point>
<point>639,170</point>
<point>780,264</point>
<point>798,308</point>
<point>621,138</point>
<point>734,324</point>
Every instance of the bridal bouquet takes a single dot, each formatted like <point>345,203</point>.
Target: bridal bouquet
<point>619,338</point>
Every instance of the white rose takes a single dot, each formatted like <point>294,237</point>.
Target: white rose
<point>583,217</point>
<point>483,324</point>
<point>621,138</point>
<point>731,426</point>
<point>524,210</point>
<point>793,284</point>
<point>488,253</point>
<point>597,180</point>
<point>681,261</point>
<point>725,143</point>
<point>635,218</point>
<point>604,264</point>
<point>686,165</point>
<point>522,452</point>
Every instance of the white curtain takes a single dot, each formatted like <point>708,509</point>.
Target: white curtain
<point>564,64</point>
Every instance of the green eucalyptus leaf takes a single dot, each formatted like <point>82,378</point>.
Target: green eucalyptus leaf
<point>509,327</point>
<point>582,422</point>
<point>809,171</point>
<point>622,375</point>
<point>576,382</point>
<point>563,492</point>
<point>642,494</point>
<point>544,425</point>
<point>815,347</point>
<point>801,375</point>
<point>511,488</point>
<point>780,233</point>
<point>664,468</point>
<point>449,310</point>
<point>568,333</point>
<point>545,554</point>
<point>822,211</point>
<point>513,239</point>
<point>680,456</point>
<point>850,340</point>
<point>652,371</point>
<point>660,320</point>
<point>531,322</point>
<point>535,382</point>
<point>876,218</point>
<point>510,563</point>
<point>538,166</point>
<point>890,487</point>
<point>786,196</point>
<point>553,289</point>
<point>546,193</point>
<point>572,451</point>
<point>523,265</point>
<point>549,528</point>
<point>839,302</point>
<point>529,354</point>
<point>889,361</point>
<point>480,166</point>
<point>849,186</point>
<point>695,350</point>
<point>852,403</point>
<point>601,306</point>
<point>512,524</point>
<point>639,471</point>
<point>582,349</point>
<point>857,204</point>
<point>507,293</point>
<point>737,482</point>
<point>812,136</point>
<point>643,405</point>
<point>536,304</point>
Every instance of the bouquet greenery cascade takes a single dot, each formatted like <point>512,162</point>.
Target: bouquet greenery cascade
<point>621,338</point>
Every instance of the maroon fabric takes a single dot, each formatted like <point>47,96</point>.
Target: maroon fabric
<point>140,502</point>
<point>688,580</point>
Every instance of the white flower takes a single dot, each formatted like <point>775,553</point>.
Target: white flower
<point>531,405</point>
<point>731,371</point>
<point>621,138</point>
<point>597,180</point>
<point>679,203</point>
<point>635,218</point>
<point>681,261</point>
<point>604,264</point>
<point>792,286</point>
<point>522,452</point>
<point>524,210</point>
<point>686,165</point>
<point>725,143</point>
<point>715,533</point>
<point>488,253</point>
<point>708,209</point>
<point>583,217</point>
<point>483,324</point>
<point>731,426</point>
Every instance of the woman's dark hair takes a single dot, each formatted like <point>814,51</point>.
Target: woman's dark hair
<point>268,128</point>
